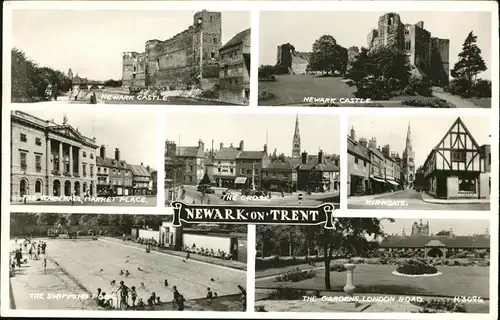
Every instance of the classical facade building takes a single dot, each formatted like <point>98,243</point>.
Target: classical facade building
<point>428,55</point>
<point>249,166</point>
<point>225,171</point>
<point>50,159</point>
<point>118,175</point>
<point>234,74</point>
<point>442,245</point>
<point>454,168</point>
<point>193,159</point>
<point>189,57</point>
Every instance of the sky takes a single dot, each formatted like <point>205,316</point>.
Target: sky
<point>301,29</point>
<point>460,227</point>
<point>134,133</point>
<point>426,131</point>
<point>316,131</point>
<point>91,42</point>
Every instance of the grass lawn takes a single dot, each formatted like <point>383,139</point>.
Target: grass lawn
<point>455,281</point>
<point>481,102</point>
<point>292,89</point>
<point>280,270</point>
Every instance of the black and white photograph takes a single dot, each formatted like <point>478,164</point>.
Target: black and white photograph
<point>78,157</point>
<point>252,159</point>
<point>124,262</point>
<point>419,162</point>
<point>374,265</point>
<point>433,59</point>
<point>131,57</point>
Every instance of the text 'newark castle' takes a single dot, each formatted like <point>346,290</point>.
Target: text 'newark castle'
<point>179,59</point>
<point>429,55</point>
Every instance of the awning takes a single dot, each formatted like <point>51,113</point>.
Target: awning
<point>377,179</point>
<point>393,182</point>
<point>357,175</point>
<point>240,180</point>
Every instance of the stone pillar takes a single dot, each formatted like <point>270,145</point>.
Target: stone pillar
<point>71,160</point>
<point>48,156</point>
<point>349,287</point>
<point>61,163</point>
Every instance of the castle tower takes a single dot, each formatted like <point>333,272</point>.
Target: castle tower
<point>390,31</point>
<point>296,140</point>
<point>409,160</point>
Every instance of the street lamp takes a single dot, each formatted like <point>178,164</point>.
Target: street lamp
<point>200,22</point>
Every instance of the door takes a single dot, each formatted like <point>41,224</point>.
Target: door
<point>441,187</point>
<point>234,248</point>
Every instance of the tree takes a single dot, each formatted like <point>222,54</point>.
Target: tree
<point>446,233</point>
<point>381,74</point>
<point>470,62</point>
<point>282,157</point>
<point>327,56</point>
<point>348,237</point>
<point>266,239</point>
<point>48,218</point>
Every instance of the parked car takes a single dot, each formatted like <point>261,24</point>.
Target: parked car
<point>205,188</point>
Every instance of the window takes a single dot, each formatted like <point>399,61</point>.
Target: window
<point>133,76</point>
<point>84,154</point>
<point>212,55</point>
<point>256,171</point>
<point>23,137</point>
<point>466,185</point>
<point>391,21</point>
<point>242,161</point>
<point>105,170</point>
<point>38,163</point>
<point>355,160</point>
<point>38,186</point>
<point>211,19</point>
<point>91,171</point>
<point>84,169</point>
<point>114,170</point>
<point>98,169</point>
<point>135,68</point>
<point>232,162</point>
<point>489,158</point>
<point>91,156</point>
<point>219,170</point>
<point>458,155</point>
<point>249,171</point>
<point>38,141</point>
<point>408,45</point>
<point>365,163</point>
<point>23,156</point>
<point>215,40</point>
<point>231,170</point>
<point>242,171</point>
<point>226,70</point>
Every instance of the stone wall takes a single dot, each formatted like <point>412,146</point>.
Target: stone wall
<point>134,69</point>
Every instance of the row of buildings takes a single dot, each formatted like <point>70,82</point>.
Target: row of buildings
<point>234,167</point>
<point>374,169</point>
<point>428,55</point>
<point>456,168</point>
<point>195,56</point>
<point>51,159</point>
<point>441,245</point>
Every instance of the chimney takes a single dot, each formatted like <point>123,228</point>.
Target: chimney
<point>242,145</point>
<point>102,151</point>
<point>201,145</point>
<point>221,146</point>
<point>363,142</point>
<point>148,168</point>
<point>117,154</point>
<point>353,134</point>
<point>320,156</point>
<point>420,24</point>
<point>386,150</point>
<point>142,164</point>
<point>304,157</point>
<point>373,143</point>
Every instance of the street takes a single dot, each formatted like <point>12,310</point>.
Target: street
<point>408,200</point>
<point>125,201</point>
<point>276,198</point>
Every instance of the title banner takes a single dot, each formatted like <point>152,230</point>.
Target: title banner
<point>192,213</point>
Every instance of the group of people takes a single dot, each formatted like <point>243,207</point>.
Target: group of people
<point>208,252</point>
<point>147,241</point>
<point>34,250</point>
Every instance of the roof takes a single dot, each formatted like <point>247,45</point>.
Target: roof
<point>227,153</point>
<point>377,153</point>
<point>435,243</point>
<point>138,170</point>
<point>208,162</point>
<point>190,152</point>
<point>357,149</point>
<point>237,39</point>
<point>252,155</point>
<point>288,164</point>
<point>111,163</point>
<point>326,165</point>
<point>478,241</point>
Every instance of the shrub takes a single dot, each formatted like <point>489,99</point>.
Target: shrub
<point>417,86</point>
<point>413,267</point>
<point>265,95</point>
<point>482,89</point>
<point>288,294</point>
<point>296,275</point>
<point>441,305</point>
<point>260,309</point>
<point>429,103</point>
<point>338,268</point>
<point>210,94</point>
<point>459,255</point>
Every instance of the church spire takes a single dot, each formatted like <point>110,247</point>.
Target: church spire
<point>409,160</point>
<point>296,140</point>
<point>408,147</point>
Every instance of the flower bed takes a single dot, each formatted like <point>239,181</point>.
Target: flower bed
<point>296,275</point>
<point>414,267</point>
<point>440,305</point>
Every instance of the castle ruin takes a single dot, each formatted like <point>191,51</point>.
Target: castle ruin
<point>428,55</point>
<point>184,59</point>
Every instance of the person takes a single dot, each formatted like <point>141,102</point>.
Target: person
<point>93,98</point>
<point>44,264</point>
<point>133,293</point>
<point>209,295</point>
<point>166,283</point>
<point>44,247</point>
<point>188,255</point>
<point>180,303</point>
<point>127,273</point>
<point>121,272</point>
<point>30,252</point>
<point>123,237</point>
<point>176,295</point>
<point>123,294</point>
<point>152,299</point>
<point>98,294</point>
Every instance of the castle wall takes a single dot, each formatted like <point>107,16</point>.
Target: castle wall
<point>134,69</point>
<point>300,62</point>
<point>390,31</point>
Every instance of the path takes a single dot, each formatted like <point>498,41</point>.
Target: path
<point>459,102</point>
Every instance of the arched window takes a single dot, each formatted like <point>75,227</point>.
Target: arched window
<point>38,186</point>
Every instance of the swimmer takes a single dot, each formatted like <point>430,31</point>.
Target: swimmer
<point>127,273</point>
<point>121,272</point>
<point>112,282</point>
